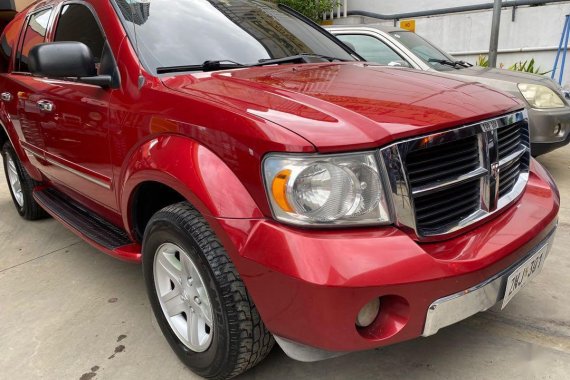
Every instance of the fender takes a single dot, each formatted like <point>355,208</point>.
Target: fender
<point>15,141</point>
<point>193,171</point>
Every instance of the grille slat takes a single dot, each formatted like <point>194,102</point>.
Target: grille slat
<point>459,156</point>
<point>428,206</point>
<point>511,139</point>
<point>444,150</point>
<point>507,135</point>
<point>443,174</point>
<point>508,178</point>
<point>442,161</point>
<point>443,197</point>
<point>447,207</point>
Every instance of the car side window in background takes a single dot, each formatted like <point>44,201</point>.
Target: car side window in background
<point>428,52</point>
<point>371,49</point>
<point>77,23</point>
<point>34,34</point>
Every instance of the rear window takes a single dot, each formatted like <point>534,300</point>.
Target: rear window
<point>34,34</point>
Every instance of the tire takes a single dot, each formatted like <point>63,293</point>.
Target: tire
<point>22,190</point>
<point>237,339</point>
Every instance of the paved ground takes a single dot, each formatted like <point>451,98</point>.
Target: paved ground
<point>70,312</point>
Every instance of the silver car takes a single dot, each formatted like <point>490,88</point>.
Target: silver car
<point>547,102</point>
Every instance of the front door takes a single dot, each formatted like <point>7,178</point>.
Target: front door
<point>73,117</point>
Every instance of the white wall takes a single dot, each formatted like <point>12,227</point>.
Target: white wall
<point>534,27</point>
<point>402,6</point>
<point>21,4</point>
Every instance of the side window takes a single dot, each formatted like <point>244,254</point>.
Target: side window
<point>8,43</point>
<point>34,34</point>
<point>77,23</point>
<point>371,48</point>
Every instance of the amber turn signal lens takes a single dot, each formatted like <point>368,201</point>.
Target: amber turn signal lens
<point>279,190</point>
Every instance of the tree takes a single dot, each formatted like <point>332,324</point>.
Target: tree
<point>314,9</point>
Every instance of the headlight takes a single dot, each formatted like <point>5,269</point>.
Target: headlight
<point>540,97</point>
<point>326,190</point>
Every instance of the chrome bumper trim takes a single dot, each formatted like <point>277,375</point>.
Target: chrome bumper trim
<point>457,307</point>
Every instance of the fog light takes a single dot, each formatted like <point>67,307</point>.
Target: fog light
<point>368,313</point>
<point>557,129</point>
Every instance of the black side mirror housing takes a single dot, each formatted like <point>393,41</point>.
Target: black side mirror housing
<point>67,60</point>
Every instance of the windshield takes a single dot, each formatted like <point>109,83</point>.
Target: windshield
<point>190,32</point>
<point>425,50</point>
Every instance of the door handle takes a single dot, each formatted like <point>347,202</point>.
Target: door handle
<point>46,106</point>
<point>6,97</point>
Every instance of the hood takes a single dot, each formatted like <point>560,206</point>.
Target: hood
<point>347,106</point>
<point>505,75</point>
<point>505,80</point>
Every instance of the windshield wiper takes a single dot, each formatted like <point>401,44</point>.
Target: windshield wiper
<point>206,66</point>
<point>465,64</point>
<point>301,58</point>
<point>227,64</point>
<point>447,62</point>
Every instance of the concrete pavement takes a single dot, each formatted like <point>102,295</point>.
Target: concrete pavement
<point>70,312</point>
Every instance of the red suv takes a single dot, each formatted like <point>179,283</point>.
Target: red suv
<point>272,184</point>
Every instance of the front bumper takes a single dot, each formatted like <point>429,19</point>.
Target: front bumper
<point>457,307</point>
<point>309,285</point>
<point>543,129</point>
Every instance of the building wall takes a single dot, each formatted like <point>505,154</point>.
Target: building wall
<point>21,4</point>
<point>468,34</point>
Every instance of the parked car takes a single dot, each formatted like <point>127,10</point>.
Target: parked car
<point>271,185</point>
<point>547,103</point>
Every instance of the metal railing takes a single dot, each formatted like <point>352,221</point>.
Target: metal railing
<point>341,11</point>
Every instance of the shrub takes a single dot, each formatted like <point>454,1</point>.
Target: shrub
<point>523,66</point>
<point>528,67</point>
<point>313,9</point>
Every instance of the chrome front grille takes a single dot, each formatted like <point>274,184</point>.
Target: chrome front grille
<point>447,181</point>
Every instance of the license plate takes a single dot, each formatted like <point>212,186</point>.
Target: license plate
<point>524,274</point>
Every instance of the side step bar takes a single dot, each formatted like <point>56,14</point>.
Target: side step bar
<point>92,228</point>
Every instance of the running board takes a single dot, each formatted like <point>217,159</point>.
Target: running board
<point>90,227</point>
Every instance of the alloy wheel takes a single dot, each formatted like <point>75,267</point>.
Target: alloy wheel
<point>14,179</point>
<point>183,297</point>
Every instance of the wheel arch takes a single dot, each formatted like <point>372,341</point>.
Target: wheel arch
<point>174,168</point>
<point>5,136</point>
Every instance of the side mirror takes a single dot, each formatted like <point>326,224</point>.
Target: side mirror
<point>66,60</point>
<point>399,64</point>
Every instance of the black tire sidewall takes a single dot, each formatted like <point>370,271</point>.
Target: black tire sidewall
<point>202,363</point>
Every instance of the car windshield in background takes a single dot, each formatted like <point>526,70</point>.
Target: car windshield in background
<point>426,51</point>
<point>191,32</point>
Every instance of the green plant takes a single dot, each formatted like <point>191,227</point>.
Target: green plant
<point>523,66</point>
<point>528,67</point>
<point>482,61</point>
<point>314,9</point>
